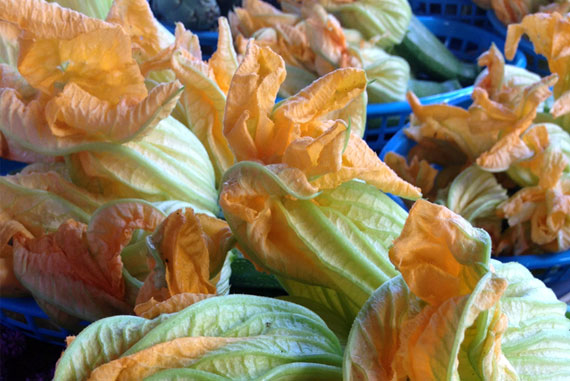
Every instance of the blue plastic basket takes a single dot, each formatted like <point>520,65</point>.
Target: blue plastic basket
<point>24,315</point>
<point>536,63</point>
<point>465,11</point>
<point>467,43</point>
<point>552,268</point>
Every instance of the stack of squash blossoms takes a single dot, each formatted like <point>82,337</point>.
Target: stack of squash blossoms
<point>132,139</point>
<point>504,162</point>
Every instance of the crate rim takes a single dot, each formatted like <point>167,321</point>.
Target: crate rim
<point>400,107</point>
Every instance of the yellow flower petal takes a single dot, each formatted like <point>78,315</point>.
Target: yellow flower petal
<point>204,103</point>
<point>329,93</point>
<point>76,112</point>
<point>316,156</point>
<point>10,286</point>
<point>440,255</point>
<point>361,162</point>
<point>185,254</point>
<point>78,118</point>
<point>110,230</point>
<point>153,308</point>
<point>184,39</point>
<point>224,60</point>
<point>550,35</point>
<point>100,62</point>
<point>219,239</point>
<point>508,150</point>
<point>48,20</point>
<point>418,173</point>
<point>247,124</point>
<point>138,22</point>
<point>176,353</point>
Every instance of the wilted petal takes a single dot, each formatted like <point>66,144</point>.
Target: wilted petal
<point>360,162</point>
<point>224,61</point>
<point>247,124</point>
<point>317,156</point>
<point>137,20</point>
<point>48,20</point>
<point>439,254</point>
<point>100,62</point>
<point>76,112</point>
<point>153,308</point>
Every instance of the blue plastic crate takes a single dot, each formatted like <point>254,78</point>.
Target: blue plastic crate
<point>24,315</point>
<point>552,268</point>
<point>465,11</point>
<point>536,63</point>
<point>467,43</point>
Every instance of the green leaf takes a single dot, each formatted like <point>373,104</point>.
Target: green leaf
<point>292,371</point>
<point>336,241</point>
<point>390,75</point>
<point>303,372</point>
<point>252,357</point>
<point>334,308</point>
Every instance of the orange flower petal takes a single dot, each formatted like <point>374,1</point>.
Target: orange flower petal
<point>439,254</point>
<point>110,230</point>
<point>224,60</point>
<point>138,22</point>
<point>247,124</point>
<point>76,112</point>
<point>100,62</point>
<point>361,162</point>
<point>48,20</point>
<point>153,308</point>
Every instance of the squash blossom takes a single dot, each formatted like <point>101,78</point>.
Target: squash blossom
<point>305,200</point>
<point>234,337</point>
<point>79,95</point>
<point>456,314</point>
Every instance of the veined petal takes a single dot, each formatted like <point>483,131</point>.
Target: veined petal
<point>99,61</point>
<point>9,43</point>
<point>153,308</point>
<point>317,156</point>
<point>48,20</point>
<point>137,20</point>
<point>224,60</point>
<point>439,254</point>
<point>204,103</point>
<point>26,123</point>
<point>329,93</point>
<point>76,112</point>
<point>360,162</point>
<point>247,124</point>
<point>110,230</point>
